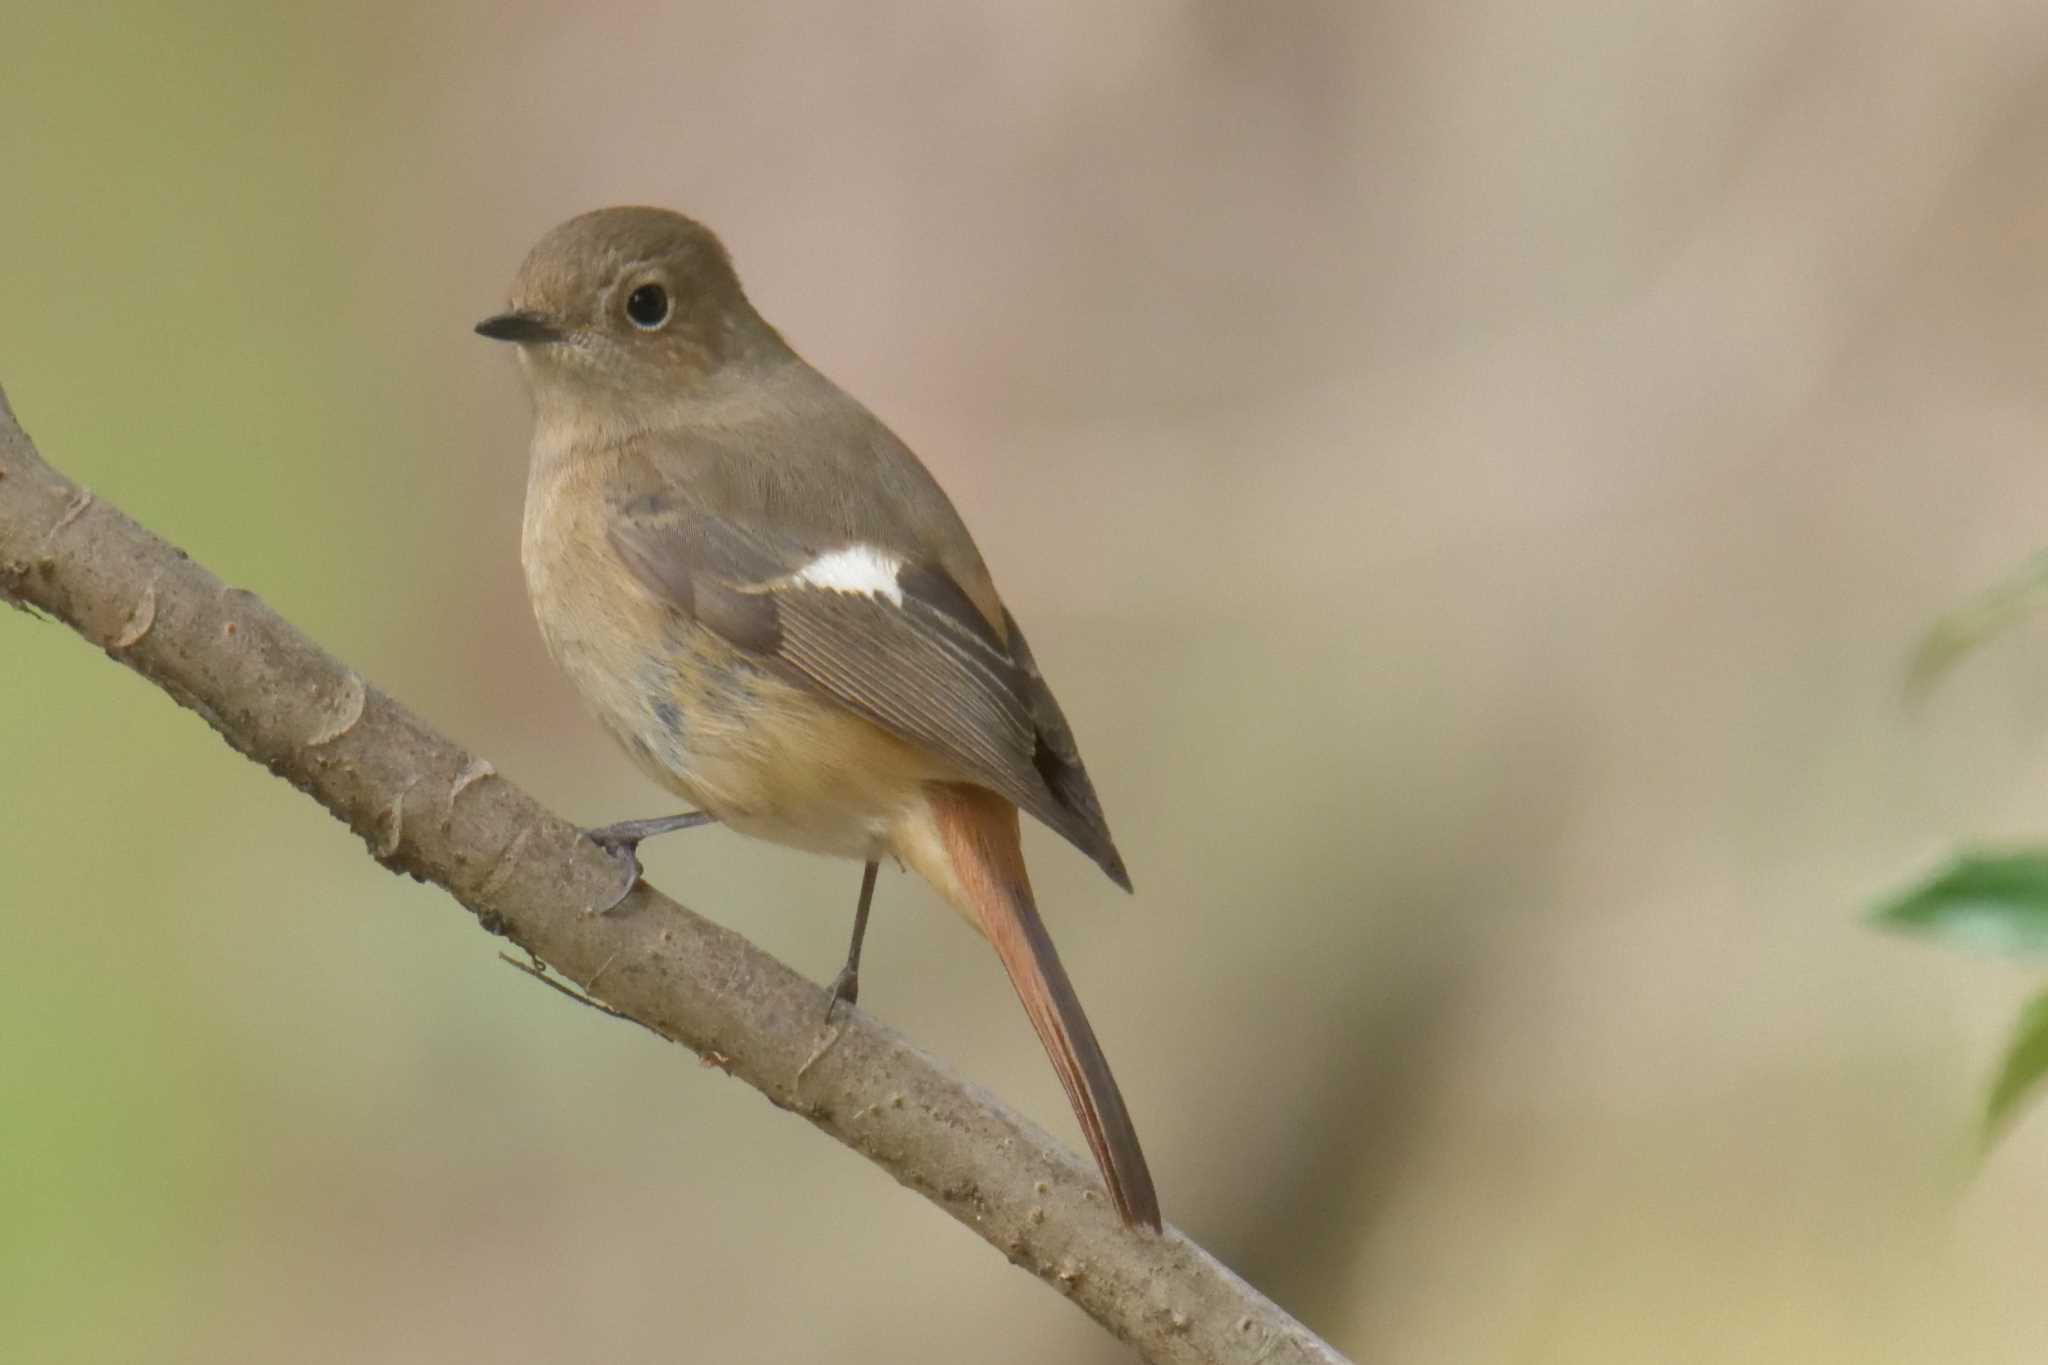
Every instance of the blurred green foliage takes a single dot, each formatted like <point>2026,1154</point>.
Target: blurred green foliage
<point>2026,1062</point>
<point>1989,614</point>
<point>1986,901</point>
<point>1995,902</point>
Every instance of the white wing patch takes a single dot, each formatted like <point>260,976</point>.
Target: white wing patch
<point>859,569</point>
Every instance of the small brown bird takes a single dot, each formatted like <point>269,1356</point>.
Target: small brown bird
<point>769,602</point>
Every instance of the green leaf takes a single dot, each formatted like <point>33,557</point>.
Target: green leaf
<point>2026,1063</point>
<point>1988,614</point>
<point>1992,902</point>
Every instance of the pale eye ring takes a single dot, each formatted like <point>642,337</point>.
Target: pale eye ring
<point>647,307</point>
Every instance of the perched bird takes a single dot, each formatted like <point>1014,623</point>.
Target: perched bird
<point>768,601</point>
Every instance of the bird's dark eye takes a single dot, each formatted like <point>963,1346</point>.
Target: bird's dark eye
<point>648,306</point>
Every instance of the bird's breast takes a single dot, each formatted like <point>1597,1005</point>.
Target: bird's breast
<point>619,648</point>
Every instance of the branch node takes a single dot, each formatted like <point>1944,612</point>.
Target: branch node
<point>473,772</point>
<point>393,820</point>
<point>832,1034</point>
<point>73,510</point>
<point>141,618</point>
<point>350,710</point>
<point>501,869</point>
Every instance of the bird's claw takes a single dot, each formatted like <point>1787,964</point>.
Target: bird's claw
<point>625,852</point>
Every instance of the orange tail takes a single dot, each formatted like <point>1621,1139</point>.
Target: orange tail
<point>978,833</point>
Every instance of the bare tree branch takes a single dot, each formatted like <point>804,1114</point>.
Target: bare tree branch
<point>427,808</point>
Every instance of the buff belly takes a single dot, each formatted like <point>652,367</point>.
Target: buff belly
<point>766,756</point>
<point>776,761</point>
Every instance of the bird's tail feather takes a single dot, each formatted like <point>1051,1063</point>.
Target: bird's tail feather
<point>979,835</point>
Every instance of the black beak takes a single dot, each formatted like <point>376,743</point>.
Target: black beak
<point>521,327</point>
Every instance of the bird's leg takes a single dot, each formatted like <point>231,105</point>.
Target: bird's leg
<point>622,842</point>
<point>846,985</point>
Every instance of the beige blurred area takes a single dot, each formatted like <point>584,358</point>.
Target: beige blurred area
<point>1473,474</point>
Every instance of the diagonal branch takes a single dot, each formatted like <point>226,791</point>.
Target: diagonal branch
<point>427,808</point>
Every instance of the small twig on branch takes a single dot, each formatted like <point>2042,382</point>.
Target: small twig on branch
<point>426,808</point>
<point>538,970</point>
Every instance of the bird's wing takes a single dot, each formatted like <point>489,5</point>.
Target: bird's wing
<point>897,640</point>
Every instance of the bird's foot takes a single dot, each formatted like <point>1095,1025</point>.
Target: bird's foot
<point>845,989</point>
<point>622,842</point>
<point>624,852</point>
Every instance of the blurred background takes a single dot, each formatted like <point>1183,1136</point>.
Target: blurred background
<point>1472,473</point>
